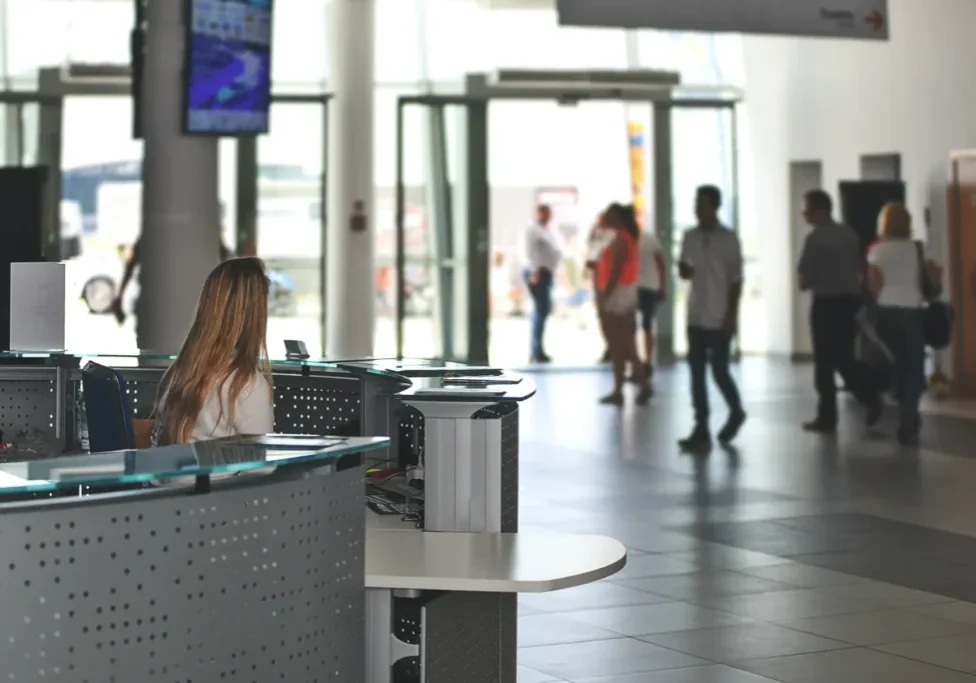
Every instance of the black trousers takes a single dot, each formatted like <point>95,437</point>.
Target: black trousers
<point>833,327</point>
<point>707,346</point>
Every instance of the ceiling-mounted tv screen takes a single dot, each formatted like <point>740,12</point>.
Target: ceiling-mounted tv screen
<point>228,67</point>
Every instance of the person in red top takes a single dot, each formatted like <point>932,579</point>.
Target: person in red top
<point>617,269</point>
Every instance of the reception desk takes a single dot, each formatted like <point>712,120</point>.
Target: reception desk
<point>257,577</point>
<point>434,604</point>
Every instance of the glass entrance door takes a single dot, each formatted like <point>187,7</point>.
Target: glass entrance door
<point>83,129</point>
<point>441,266</point>
<point>703,152</point>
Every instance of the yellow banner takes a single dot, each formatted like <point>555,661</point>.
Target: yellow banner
<point>635,143</point>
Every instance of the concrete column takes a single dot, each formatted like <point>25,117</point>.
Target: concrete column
<point>350,310</point>
<point>180,205</point>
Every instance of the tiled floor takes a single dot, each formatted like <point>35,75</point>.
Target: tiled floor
<point>790,558</point>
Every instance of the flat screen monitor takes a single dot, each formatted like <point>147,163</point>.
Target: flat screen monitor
<point>228,67</point>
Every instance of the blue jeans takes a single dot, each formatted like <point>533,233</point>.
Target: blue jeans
<point>901,330</point>
<point>710,347</point>
<point>541,293</point>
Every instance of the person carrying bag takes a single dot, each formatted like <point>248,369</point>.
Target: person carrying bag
<point>905,288</point>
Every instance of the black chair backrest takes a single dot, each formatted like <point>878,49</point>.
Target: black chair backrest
<point>107,409</point>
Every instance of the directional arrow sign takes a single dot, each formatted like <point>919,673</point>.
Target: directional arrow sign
<point>859,19</point>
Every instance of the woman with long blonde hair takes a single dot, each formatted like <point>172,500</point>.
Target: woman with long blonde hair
<point>898,277</point>
<point>220,384</point>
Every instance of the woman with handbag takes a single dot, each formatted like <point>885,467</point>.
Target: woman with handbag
<point>902,282</point>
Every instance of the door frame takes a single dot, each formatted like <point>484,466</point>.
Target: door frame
<point>804,176</point>
<point>473,103</point>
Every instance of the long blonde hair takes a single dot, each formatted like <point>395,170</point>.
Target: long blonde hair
<point>895,222</point>
<point>226,342</point>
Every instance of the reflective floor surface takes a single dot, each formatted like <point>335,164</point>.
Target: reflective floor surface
<point>791,557</point>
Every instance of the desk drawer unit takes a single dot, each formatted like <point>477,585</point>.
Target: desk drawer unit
<point>471,466</point>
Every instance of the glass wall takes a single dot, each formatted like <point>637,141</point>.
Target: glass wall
<point>419,43</point>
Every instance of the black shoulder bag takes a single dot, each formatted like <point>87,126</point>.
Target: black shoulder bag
<point>936,315</point>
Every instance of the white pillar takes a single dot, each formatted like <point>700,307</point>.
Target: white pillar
<point>350,308</point>
<point>180,204</point>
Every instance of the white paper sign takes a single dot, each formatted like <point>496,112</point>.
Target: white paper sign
<point>37,306</point>
<point>861,19</point>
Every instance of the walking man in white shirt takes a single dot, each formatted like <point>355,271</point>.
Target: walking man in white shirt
<point>542,256</point>
<point>650,290</point>
<point>711,260</point>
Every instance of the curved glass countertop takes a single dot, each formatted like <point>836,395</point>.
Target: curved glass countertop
<point>432,379</point>
<point>222,456</point>
<point>383,367</point>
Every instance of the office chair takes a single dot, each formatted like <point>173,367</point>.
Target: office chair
<point>107,408</point>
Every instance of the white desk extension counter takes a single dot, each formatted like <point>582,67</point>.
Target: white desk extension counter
<point>435,599</point>
<point>488,563</point>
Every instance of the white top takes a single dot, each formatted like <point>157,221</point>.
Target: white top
<point>716,257</point>
<point>253,413</point>
<point>542,248</point>
<point>488,563</point>
<point>898,262</point>
<point>648,248</point>
<point>598,240</point>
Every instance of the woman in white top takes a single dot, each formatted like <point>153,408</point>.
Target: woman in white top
<point>650,289</point>
<point>897,271</point>
<point>220,383</point>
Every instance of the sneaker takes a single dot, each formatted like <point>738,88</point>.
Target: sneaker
<point>820,427</point>
<point>644,397</point>
<point>908,437</point>
<point>874,406</point>
<point>698,441</point>
<point>612,400</point>
<point>732,426</point>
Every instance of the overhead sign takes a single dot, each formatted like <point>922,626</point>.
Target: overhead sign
<point>859,19</point>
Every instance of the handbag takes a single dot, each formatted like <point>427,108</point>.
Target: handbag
<point>936,314</point>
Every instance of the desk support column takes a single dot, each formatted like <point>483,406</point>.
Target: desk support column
<point>383,647</point>
<point>379,632</point>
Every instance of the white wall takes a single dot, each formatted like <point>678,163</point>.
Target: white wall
<point>835,100</point>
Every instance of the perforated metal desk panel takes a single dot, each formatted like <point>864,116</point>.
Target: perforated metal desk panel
<point>259,579</point>
<point>310,397</point>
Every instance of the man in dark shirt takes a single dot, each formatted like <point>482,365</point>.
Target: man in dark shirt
<point>830,268</point>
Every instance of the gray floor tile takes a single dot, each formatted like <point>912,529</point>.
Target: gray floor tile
<point>727,557</point>
<point>591,596</point>
<point>553,629</point>
<point>802,575</point>
<point>526,675</point>
<point>783,605</point>
<point>817,521</point>
<point>885,594</point>
<point>747,641</point>
<point>851,666</point>
<point>655,565</point>
<point>648,619</point>
<point>603,658</point>
<point>695,674</point>
<point>879,628</point>
<point>710,583</point>
<point>952,652</point>
<point>963,612</point>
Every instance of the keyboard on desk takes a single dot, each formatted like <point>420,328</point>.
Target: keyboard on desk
<point>384,502</point>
